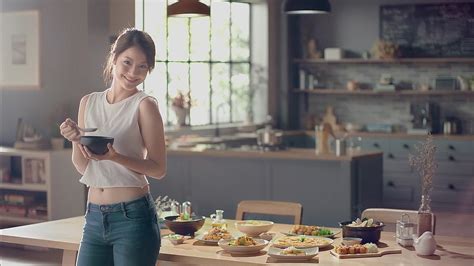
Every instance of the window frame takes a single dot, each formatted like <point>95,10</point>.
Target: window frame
<point>231,64</point>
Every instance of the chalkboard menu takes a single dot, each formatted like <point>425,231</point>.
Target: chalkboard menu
<point>429,30</point>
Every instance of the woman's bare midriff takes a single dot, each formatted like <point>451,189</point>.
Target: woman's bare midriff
<point>116,194</point>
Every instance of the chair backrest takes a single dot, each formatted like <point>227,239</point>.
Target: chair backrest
<point>390,217</point>
<point>282,208</point>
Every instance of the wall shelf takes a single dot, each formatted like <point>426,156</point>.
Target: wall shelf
<point>39,185</point>
<point>370,92</point>
<point>27,187</point>
<point>463,60</point>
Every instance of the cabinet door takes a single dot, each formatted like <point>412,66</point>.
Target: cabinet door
<point>401,148</point>
<point>175,184</point>
<point>321,187</point>
<point>221,183</point>
<point>400,191</point>
<point>450,146</point>
<point>453,193</point>
<point>375,144</point>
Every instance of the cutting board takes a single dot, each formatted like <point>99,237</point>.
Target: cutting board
<point>366,255</point>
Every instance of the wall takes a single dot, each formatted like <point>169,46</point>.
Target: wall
<point>354,26</point>
<point>73,45</point>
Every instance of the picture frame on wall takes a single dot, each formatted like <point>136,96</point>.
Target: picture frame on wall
<point>19,50</point>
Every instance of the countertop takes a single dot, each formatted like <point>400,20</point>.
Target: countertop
<point>466,137</point>
<point>293,153</point>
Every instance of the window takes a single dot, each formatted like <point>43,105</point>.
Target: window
<point>207,58</point>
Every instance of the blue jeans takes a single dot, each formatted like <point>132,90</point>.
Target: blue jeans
<point>124,233</point>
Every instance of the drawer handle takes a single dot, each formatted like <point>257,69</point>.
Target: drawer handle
<point>390,184</point>
<point>451,187</point>
<point>451,158</point>
<point>406,146</point>
<point>376,145</point>
<point>451,147</point>
<point>391,156</point>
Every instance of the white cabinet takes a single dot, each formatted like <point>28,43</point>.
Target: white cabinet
<point>38,186</point>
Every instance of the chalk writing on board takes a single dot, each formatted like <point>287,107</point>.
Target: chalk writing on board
<point>429,30</point>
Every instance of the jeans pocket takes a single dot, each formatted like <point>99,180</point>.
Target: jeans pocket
<point>136,214</point>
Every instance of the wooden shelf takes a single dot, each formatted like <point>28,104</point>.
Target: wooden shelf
<point>20,220</point>
<point>386,61</point>
<point>370,92</point>
<point>29,187</point>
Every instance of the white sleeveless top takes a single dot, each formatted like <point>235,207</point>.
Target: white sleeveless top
<point>120,121</point>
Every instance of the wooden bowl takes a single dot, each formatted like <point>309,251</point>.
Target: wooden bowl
<point>188,227</point>
<point>369,234</point>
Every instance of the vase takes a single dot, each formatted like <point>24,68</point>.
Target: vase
<point>425,215</point>
<point>181,114</point>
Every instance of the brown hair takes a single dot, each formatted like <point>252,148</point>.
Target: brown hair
<point>128,38</point>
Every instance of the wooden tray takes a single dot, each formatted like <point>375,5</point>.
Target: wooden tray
<point>366,255</point>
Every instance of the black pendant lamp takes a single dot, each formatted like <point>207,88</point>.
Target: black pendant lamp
<point>188,9</point>
<point>301,7</point>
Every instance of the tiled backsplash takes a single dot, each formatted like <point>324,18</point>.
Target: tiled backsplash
<point>387,109</point>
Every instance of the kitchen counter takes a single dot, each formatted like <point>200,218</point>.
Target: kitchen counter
<point>465,137</point>
<point>292,153</point>
<point>339,187</point>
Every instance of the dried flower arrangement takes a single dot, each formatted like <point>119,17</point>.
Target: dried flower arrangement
<point>163,203</point>
<point>181,100</point>
<point>424,162</point>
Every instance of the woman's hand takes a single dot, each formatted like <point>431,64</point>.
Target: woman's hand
<point>69,130</point>
<point>110,155</point>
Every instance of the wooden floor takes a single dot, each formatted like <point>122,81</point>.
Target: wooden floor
<point>14,255</point>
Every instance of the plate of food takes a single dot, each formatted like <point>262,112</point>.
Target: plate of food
<point>361,251</point>
<point>214,235</point>
<point>302,242</point>
<point>292,253</point>
<point>310,230</point>
<point>242,245</point>
<point>253,227</point>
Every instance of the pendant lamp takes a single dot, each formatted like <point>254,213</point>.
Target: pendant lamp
<point>188,9</point>
<point>301,7</point>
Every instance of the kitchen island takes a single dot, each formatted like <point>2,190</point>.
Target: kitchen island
<point>330,188</point>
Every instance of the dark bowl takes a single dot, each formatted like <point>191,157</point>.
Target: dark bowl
<point>185,227</point>
<point>368,234</point>
<point>97,144</point>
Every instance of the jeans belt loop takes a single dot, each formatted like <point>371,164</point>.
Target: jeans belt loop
<point>122,205</point>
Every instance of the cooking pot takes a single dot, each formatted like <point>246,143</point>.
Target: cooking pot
<point>268,136</point>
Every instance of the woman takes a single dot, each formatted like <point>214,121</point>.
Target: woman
<point>121,225</point>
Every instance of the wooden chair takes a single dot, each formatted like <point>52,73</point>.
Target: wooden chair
<point>282,208</point>
<point>390,217</point>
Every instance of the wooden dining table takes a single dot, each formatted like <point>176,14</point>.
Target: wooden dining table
<point>66,234</point>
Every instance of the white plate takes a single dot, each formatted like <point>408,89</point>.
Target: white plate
<point>207,241</point>
<point>329,241</point>
<point>261,244</point>
<point>275,253</point>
